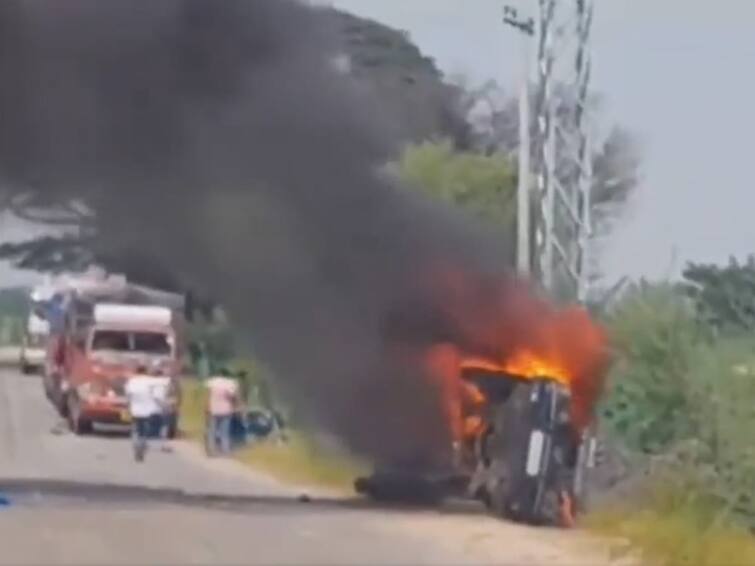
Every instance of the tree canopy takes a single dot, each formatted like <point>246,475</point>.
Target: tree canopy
<point>484,185</point>
<point>724,296</point>
<point>406,83</point>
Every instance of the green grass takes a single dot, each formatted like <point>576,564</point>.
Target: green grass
<point>193,400</point>
<point>299,460</point>
<point>672,528</point>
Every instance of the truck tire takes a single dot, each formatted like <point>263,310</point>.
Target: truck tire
<point>78,425</point>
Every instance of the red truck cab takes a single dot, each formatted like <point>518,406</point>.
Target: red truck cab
<point>99,357</point>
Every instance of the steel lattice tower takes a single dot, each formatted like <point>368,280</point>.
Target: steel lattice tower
<point>562,154</point>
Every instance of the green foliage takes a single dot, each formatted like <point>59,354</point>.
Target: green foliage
<point>672,524</point>
<point>372,44</point>
<point>684,396</point>
<point>724,296</point>
<point>483,185</point>
<point>14,310</point>
<point>721,393</point>
<point>406,85</point>
<point>654,335</point>
<point>14,302</point>
<point>212,339</point>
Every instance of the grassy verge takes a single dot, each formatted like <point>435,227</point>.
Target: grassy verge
<point>671,528</point>
<point>299,460</point>
<point>302,461</point>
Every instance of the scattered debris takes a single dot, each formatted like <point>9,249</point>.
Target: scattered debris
<point>59,429</point>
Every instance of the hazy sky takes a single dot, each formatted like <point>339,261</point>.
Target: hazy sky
<point>677,72</point>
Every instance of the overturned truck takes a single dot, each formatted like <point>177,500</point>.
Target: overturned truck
<point>519,446</point>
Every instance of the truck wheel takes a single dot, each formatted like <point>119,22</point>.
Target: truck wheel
<point>78,425</point>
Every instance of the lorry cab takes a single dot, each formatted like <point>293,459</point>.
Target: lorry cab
<point>100,355</point>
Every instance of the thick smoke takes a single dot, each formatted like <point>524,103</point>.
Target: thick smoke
<point>218,137</point>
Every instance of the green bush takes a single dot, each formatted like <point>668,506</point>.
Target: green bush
<point>686,399</point>
<point>654,336</point>
<point>722,404</point>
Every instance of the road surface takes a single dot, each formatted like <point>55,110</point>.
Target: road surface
<point>84,501</point>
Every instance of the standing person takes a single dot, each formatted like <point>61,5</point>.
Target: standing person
<point>163,394</point>
<point>143,394</point>
<point>222,403</point>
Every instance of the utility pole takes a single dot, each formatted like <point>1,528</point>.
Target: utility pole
<point>523,211</point>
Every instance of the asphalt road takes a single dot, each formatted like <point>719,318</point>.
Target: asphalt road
<point>84,501</point>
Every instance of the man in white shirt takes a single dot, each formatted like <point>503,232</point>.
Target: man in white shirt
<point>222,402</point>
<point>143,393</point>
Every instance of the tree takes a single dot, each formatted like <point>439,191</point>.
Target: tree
<point>494,119</point>
<point>406,83</point>
<point>383,60</point>
<point>483,185</point>
<point>724,297</point>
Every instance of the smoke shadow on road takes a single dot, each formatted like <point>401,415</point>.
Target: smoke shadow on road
<point>31,493</point>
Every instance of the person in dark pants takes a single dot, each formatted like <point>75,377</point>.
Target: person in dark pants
<point>142,392</point>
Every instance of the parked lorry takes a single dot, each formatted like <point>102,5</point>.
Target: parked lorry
<point>102,330</point>
<point>34,344</point>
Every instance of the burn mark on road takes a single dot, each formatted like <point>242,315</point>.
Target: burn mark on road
<point>43,493</point>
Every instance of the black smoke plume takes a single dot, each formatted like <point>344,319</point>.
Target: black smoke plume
<point>219,138</point>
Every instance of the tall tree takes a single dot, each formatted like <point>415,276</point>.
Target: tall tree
<point>383,60</point>
<point>405,82</point>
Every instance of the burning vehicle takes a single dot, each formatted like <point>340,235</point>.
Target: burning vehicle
<point>520,418</point>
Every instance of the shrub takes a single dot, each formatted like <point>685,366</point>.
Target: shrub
<point>654,337</point>
<point>686,399</point>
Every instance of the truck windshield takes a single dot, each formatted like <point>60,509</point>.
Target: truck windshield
<point>121,341</point>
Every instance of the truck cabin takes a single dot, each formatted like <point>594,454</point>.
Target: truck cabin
<point>126,342</point>
<point>118,338</point>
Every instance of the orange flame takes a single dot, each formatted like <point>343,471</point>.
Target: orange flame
<point>500,325</point>
<point>565,346</point>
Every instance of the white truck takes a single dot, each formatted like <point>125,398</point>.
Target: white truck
<point>34,345</point>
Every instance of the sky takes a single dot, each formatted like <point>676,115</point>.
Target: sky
<point>678,73</point>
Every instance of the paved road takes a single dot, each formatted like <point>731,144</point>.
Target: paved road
<point>84,501</point>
